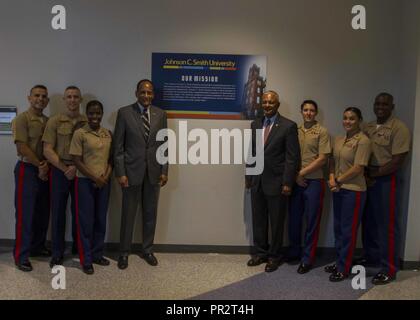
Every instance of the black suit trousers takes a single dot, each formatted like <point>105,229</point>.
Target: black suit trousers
<point>146,197</point>
<point>268,210</point>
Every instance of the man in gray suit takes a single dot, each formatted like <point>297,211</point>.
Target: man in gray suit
<point>270,190</point>
<point>137,170</point>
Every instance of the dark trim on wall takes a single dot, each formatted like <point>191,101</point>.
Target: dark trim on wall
<point>7,243</point>
<point>410,265</point>
<point>182,248</point>
<point>188,248</point>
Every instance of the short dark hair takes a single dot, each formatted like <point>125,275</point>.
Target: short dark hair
<point>143,81</point>
<point>38,86</point>
<point>94,103</point>
<point>312,102</point>
<point>356,111</point>
<point>387,95</point>
<point>72,88</point>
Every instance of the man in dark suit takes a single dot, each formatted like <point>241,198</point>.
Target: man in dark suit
<point>271,189</point>
<point>137,170</point>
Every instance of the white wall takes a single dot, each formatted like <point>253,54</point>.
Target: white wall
<point>412,244</point>
<point>312,53</point>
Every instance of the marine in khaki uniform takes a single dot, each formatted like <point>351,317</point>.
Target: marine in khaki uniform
<point>380,228</point>
<point>91,152</point>
<point>57,137</point>
<point>308,194</point>
<point>350,157</point>
<point>31,181</point>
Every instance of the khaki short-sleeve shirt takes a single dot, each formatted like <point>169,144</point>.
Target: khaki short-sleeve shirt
<point>28,128</point>
<point>350,152</point>
<point>313,142</point>
<point>94,148</point>
<point>389,139</point>
<point>59,132</point>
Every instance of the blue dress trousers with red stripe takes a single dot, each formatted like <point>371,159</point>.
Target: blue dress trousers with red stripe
<point>348,207</point>
<point>91,210</point>
<point>305,203</point>
<point>32,203</point>
<point>380,225</point>
<point>60,189</point>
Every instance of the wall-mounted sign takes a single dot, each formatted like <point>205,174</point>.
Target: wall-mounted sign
<point>209,86</point>
<point>7,114</point>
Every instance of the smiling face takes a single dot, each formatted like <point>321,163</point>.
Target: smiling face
<point>383,107</point>
<point>145,94</point>
<point>270,104</point>
<point>351,121</point>
<point>309,112</point>
<point>94,114</point>
<point>72,98</point>
<point>38,99</point>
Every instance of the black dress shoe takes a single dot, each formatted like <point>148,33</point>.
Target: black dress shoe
<point>272,265</point>
<point>304,268</point>
<point>256,261</point>
<point>101,261</point>
<point>123,262</point>
<point>44,252</point>
<point>331,268</point>
<point>88,269</point>
<point>338,276</point>
<point>382,278</point>
<point>56,262</point>
<point>25,266</point>
<point>150,259</point>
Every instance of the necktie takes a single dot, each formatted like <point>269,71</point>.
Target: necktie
<point>267,130</point>
<point>146,123</point>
